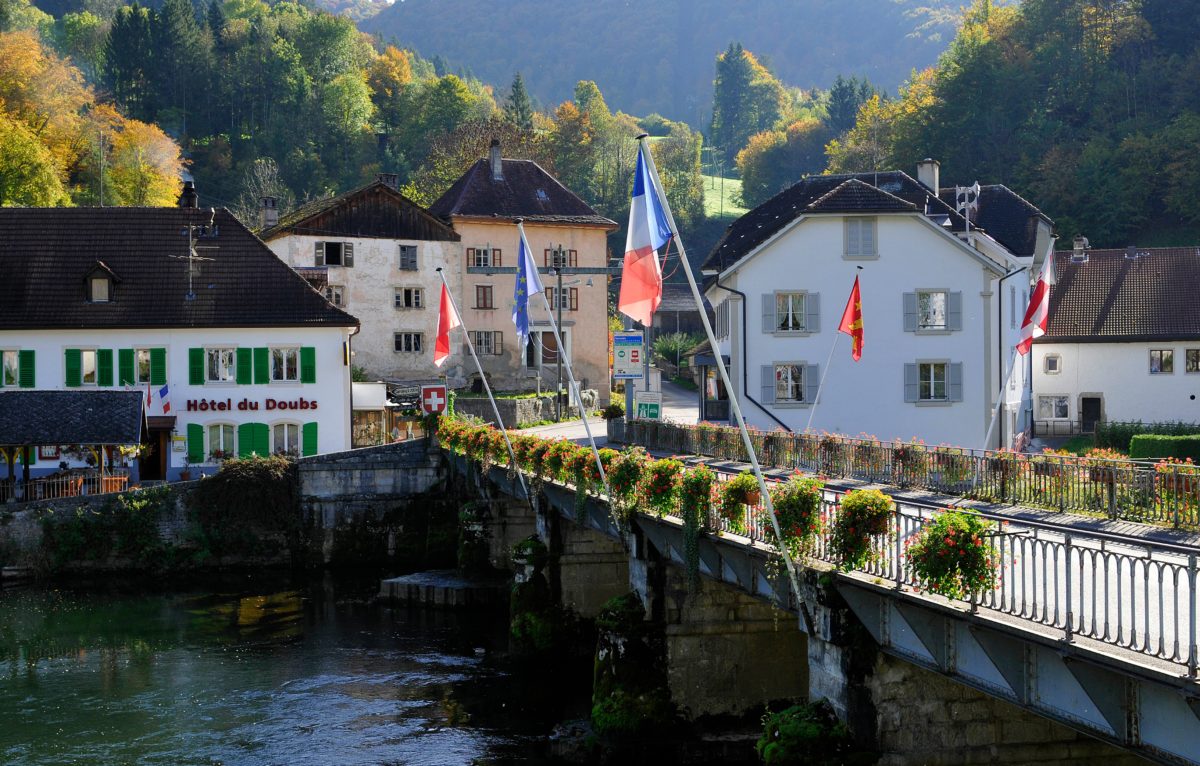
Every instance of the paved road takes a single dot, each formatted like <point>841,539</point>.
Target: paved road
<point>679,406</point>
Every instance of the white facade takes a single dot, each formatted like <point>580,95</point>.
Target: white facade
<point>392,292</point>
<point>939,385</point>
<point>1124,381</point>
<point>264,414</point>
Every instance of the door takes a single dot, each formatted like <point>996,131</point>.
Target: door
<point>152,465</point>
<point>1090,413</point>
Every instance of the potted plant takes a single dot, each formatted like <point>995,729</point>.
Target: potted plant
<point>625,476</point>
<point>185,474</point>
<point>831,451</point>
<point>695,500</point>
<point>220,455</point>
<point>660,485</point>
<point>1178,481</point>
<point>555,464</point>
<point>797,504</point>
<point>953,555</point>
<point>1103,464</point>
<point>864,514</point>
<point>910,461</point>
<point>737,493</point>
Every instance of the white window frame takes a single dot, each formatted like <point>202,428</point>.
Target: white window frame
<point>934,329</point>
<point>83,365</point>
<point>138,355</point>
<point>931,364</point>
<point>802,295</point>
<point>481,257</point>
<point>1057,397</point>
<point>1057,359</point>
<point>860,222</point>
<point>1164,354</point>
<point>336,295</point>
<point>231,448</point>
<point>15,355</point>
<point>230,364</point>
<point>415,342</point>
<point>799,365</point>
<point>291,446</point>
<point>484,341</point>
<point>294,351</point>
<point>408,298</point>
<point>407,250</point>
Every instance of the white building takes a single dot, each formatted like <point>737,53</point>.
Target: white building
<point>374,252</point>
<point>940,306</point>
<point>236,353</point>
<point>1123,341</point>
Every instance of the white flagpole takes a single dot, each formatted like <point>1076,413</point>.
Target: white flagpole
<point>483,377</point>
<point>733,402</point>
<point>562,353</point>
<point>821,385</point>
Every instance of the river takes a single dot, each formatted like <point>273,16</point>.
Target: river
<point>261,673</point>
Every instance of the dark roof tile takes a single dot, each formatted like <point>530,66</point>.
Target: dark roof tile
<point>1006,216</point>
<point>70,417</point>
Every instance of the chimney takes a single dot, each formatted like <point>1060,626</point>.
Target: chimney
<point>188,197</point>
<point>497,163</point>
<point>268,212</point>
<point>929,173</point>
<point>391,180</point>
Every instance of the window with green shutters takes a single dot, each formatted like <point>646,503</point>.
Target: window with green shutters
<point>104,367</point>
<point>308,364</point>
<point>262,365</point>
<point>244,368</point>
<point>195,443</point>
<point>125,373</point>
<point>308,439</point>
<point>196,366</point>
<point>254,439</point>
<point>74,368</point>
<point>158,367</point>
<point>16,368</point>
<point>25,362</point>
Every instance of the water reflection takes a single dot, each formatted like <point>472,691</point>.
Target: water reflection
<point>281,676</point>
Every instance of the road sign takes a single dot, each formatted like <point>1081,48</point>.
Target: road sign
<point>648,405</point>
<point>628,350</point>
<point>433,399</point>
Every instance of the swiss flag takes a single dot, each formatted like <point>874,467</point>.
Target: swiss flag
<point>1038,313</point>
<point>447,321</point>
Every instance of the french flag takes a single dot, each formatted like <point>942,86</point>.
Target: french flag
<point>641,273</point>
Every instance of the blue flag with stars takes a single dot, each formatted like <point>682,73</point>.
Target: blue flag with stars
<point>528,283</point>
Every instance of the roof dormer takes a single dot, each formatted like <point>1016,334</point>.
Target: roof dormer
<point>99,283</point>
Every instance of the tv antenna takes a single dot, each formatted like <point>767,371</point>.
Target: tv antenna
<point>966,201</point>
<point>193,258</point>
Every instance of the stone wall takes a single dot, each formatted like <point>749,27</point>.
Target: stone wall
<point>514,412</point>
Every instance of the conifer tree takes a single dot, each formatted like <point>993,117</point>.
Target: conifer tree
<point>517,108</point>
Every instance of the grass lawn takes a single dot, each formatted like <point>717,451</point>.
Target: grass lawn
<point>713,197</point>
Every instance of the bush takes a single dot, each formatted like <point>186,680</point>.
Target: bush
<point>1119,434</point>
<point>695,499</point>
<point>804,734</point>
<point>797,504</point>
<point>1153,446</point>
<point>660,485</point>
<point>615,409</point>
<point>953,555</point>
<point>864,514</point>
<point>738,492</point>
<point>246,504</point>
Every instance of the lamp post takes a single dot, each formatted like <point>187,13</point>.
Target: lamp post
<point>559,255</point>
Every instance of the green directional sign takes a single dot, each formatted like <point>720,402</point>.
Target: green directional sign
<point>649,411</point>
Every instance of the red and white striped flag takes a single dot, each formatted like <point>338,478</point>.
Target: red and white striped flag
<point>447,321</point>
<point>1038,313</point>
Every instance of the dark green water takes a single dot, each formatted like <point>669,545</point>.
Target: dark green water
<point>258,674</point>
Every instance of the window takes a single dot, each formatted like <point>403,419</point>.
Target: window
<point>722,312</point>
<point>789,383</point>
<point>407,257</point>
<point>285,364</point>
<point>99,290</point>
<point>560,258</point>
<point>335,254</point>
<point>1054,407</point>
<point>333,294</point>
<point>1192,360</point>
<point>789,312</point>
<point>1162,361</point>
<point>220,441</point>
<point>933,382</point>
<point>487,342</point>
<point>931,310</point>
<point>408,342</point>
<point>542,349</point>
<point>483,297</point>
<point>285,439</point>
<point>1053,364</point>
<point>860,238</point>
<point>87,367</point>
<point>9,369</point>
<point>570,298</point>
<point>221,365</point>
<point>481,257</point>
<point>409,298</point>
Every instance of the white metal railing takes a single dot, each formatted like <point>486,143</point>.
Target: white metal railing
<point>64,485</point>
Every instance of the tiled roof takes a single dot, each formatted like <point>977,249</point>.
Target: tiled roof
<point>296,220</point>
<point>1112,297</point>
<point>45,254</point>
<point>855,196</point>
<point>526,191</point>
<point>70,417</point>
<point>678,297</point>
<point>1006,216</point>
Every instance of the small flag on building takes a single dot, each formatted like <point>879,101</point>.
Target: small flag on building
<point>447,321</point>
<point>149,395</point>
<point>852,321</point>
<point>641,273</point>
<point>163,393</point>
<point>1037,316</point>
<point>528,283</point>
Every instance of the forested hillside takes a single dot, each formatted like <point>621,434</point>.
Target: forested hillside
<point>658,56</point>
<point>1090,108</point>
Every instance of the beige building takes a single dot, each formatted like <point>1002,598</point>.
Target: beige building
<point>563,231</point>
<point>375,253</point>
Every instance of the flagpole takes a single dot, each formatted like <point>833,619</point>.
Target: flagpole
<point>483,377</point>
<point>566,359</point>
<point>821,385</point>
<point>733,400</point>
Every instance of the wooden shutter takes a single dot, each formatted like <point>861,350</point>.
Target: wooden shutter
<point>104,367</point>
<point>573,259</point>
<point>308,439</point>
<point>853,240</point>
<point>955,387</point>
<point>954,317</point>
<point>470,257</point>
<point>245,439</point>
<point>262,365</point>
<point>812,381</point>
<point>195,443</point>
<point>158,366</point>
<point>347,254</point>
<point>574,294</point>
<point>308,364</point>
<point>546,257</point>
<point>126,375</point>
<point>495,262</point>
<point>244,366</point>
<point>910,312</point>
<point>74,368</point>
<point>912,383</point>
<point>319,253</point>
<point>768,384</point>
<point>26,377</point>
<point>498,342</point>
<point>262,439</point>
<point>867,236</point>
<point>196,366</point>
<point>812,312</point>
<point>768,312</point>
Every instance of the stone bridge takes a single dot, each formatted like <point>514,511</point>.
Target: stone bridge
<point>1086,650</point>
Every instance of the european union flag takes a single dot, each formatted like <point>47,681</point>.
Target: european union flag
<point>528,283</point>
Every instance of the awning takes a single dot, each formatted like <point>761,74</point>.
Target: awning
<point>160,422</point>
<point>369,396</point>
<point>709,360</point>
<point>70,417</point>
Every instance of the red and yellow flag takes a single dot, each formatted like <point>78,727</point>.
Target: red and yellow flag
<point>852,323</point>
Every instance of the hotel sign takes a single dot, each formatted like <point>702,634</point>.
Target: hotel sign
<point>248,405</point>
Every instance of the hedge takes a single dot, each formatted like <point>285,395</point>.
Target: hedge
<point>1119,434</point>
<point>1144,446</point>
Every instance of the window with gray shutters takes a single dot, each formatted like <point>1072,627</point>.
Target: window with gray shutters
<point>791,312</point>
<point>932,311</point>
<point>933,382</point>
<point>859,238</point>
<point>786,383</point>
<point>407,257</point>
<point>334,254</point>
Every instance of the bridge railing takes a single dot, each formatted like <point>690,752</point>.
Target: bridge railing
<point>1160,493</point>
<point>1136,595</point>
